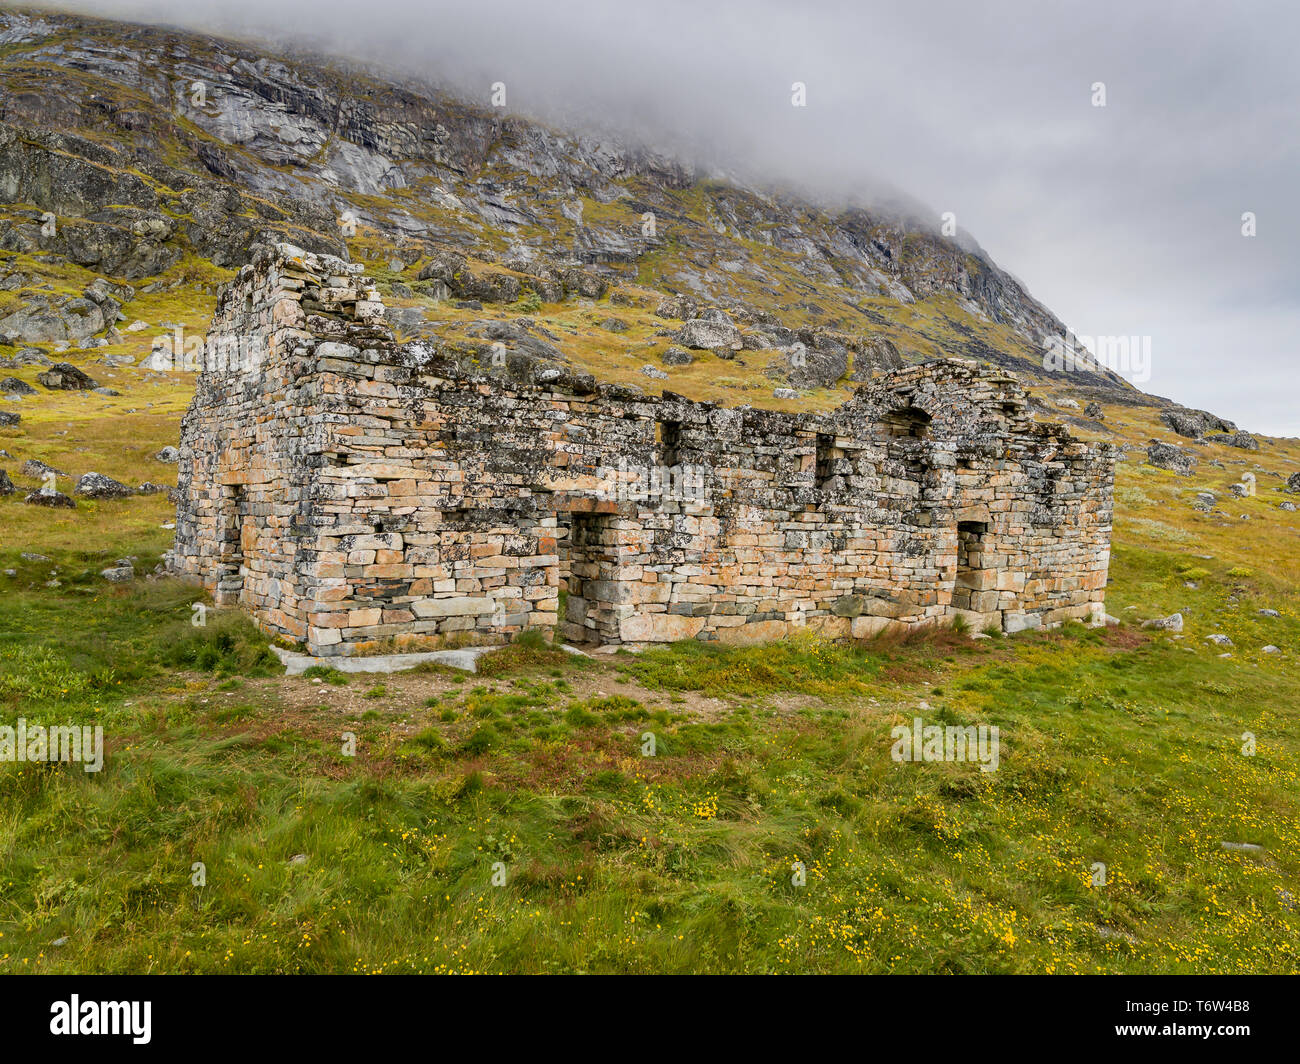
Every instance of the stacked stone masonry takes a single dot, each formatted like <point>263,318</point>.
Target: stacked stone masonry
<point>358,495</point>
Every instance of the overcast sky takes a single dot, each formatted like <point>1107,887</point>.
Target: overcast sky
<point>1124,219</point>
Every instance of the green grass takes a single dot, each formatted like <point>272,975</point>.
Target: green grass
<point>1116,748</point>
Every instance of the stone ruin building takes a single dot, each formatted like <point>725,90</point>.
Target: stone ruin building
<point>358,495</point>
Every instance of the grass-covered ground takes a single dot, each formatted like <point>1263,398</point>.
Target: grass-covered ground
<point>1119,746</point>
<point>1116,748</point>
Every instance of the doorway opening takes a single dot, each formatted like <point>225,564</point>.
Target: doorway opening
<point>971,590</point>
<point>588,552</point>
<point>232,545</point>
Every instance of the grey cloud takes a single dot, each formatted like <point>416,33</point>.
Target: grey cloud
<point>1123,219</point>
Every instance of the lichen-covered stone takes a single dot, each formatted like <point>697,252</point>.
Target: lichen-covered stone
<point>362,495</point>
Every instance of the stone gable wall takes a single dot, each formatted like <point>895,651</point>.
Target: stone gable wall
<point>360,495</point>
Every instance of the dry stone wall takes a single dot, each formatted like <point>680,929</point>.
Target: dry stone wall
<point>360,495</point>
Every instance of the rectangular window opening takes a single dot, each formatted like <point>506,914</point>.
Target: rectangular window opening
<point>827,453</point>
<point>670,442</point>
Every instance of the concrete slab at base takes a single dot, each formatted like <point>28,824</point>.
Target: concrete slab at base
<point>465,659</point>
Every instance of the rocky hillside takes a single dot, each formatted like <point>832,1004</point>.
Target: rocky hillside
<point>140,160</point>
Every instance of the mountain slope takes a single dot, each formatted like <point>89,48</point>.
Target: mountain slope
<point>174,149</point>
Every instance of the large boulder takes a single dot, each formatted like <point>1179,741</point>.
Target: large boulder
<point>679,307</point>
<point>52,499</point>
<point>109,297</point>
<point>42,319</point>
<point>876,354</point>
<point>1194,423</point>
<point>1293,482</point>
<point>580,281</point>
<point>493,286</point>
<point>702,334</point>
<point>6,485</point>
<point>811,367</point>
<point>404,319</point>
<point>1244,440</point>
<point>34,467</point>
<point>98,486</point>
<point>14,386</point>
<point>443,265</point>
<point>64,376</point>
<point>1167,456</point>
<point>519,343</point>
<point>8,418</point>
<point>121,241</point>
